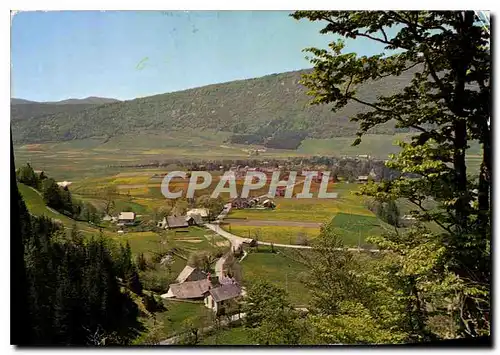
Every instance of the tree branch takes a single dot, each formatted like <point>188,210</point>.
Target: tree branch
<point>405,69</point>
<point>369,104</point>
<point>419,205</point>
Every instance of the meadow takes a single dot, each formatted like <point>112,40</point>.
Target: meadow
<point>279,235</point>
<point>35,204</point>
<point>229,336</point>
<point>348,213</point>
<point>277,269</point>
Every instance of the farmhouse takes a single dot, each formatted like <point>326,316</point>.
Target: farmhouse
<point>218,298</point>
<point>240,202</point>
<point>194,220</point>
<point>126,219</point>
<point>188,290</point>
<point>162,223</point>
<point>203,212</point>
<point>176,222</point>
<point>268,204</point>
<point>363,178</point>
<point>64,183</point>
<point>190,274</point>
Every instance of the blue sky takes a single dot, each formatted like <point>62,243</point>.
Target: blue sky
<point>119,54</point>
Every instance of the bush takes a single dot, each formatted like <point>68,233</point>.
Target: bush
<point>157,280</point>
<point>302,239</point>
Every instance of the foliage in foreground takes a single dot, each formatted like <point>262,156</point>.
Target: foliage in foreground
<point>448,103</point>
<point>73,291</point>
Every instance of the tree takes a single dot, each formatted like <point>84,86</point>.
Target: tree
<point>180,208</point>
<point>302,239</point>
<point>27,176</point>
<point>109,194</point>
<point>261,297</point>
<point>387,211</point>
<point>201,259</point>
<point>142,263</point>
<point>214,205</point>
<point>391,213</point>
<point>52,194</point>
<point>446,104</point>
<point>191,330</point>
<point>270,316</point>
<point>164,211</point>
<point>349,288</point>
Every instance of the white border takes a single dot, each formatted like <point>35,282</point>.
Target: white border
<point>180,5</point>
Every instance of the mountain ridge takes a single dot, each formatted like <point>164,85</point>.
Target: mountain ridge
<point>273,108</point>
<point>72,101</point>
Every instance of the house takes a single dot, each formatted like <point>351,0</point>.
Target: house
<point>363,178</point>
<point>268,204</point>
<point>64,183</point>
<point>203,212</point>
<point>194,220</point>
<point>218,298</point>
<point>126,219</point>
<point>162,223</point>
<point>190,274</point>
<point>176,222</point>
<point>240,203</point>
<point>188,289</point>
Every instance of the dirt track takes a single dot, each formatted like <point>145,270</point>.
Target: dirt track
<point>263,223</point>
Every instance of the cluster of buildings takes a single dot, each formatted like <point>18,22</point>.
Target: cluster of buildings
<point>363,179</point>
<point>193,284</point>
<point>262,202</point>
<point>122,220</point>
<point>193,217</point>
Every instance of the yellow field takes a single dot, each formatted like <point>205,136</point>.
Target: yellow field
<point>274,234</point>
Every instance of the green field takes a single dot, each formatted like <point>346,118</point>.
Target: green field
<point>349,213</point>
<point>375,145</point>
<point>278,269</point>
<point>355,228</point>
<point>310,210</point>
<point>281,235</point>
<point>177,312</point>
<point>36,205</point>
<point>229,336</point>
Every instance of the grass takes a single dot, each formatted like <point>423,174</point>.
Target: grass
<point>278,270</point>
<point>177,312</point>
<point>229,336</point>
<point>141,242</point>
<point>280,235</point>
<point>355,228</point>
<point>36,205</point>
<point>375,145</point>
<point>187,239</point>
<point>310,210</point>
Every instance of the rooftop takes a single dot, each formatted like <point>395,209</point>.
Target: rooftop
<point>127,215</point>
<point>190,289</point>
<point>225,292</point>
<point>174,221</point>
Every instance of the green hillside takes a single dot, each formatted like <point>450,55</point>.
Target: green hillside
<point>269,110</point>
<point>25,109</point>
